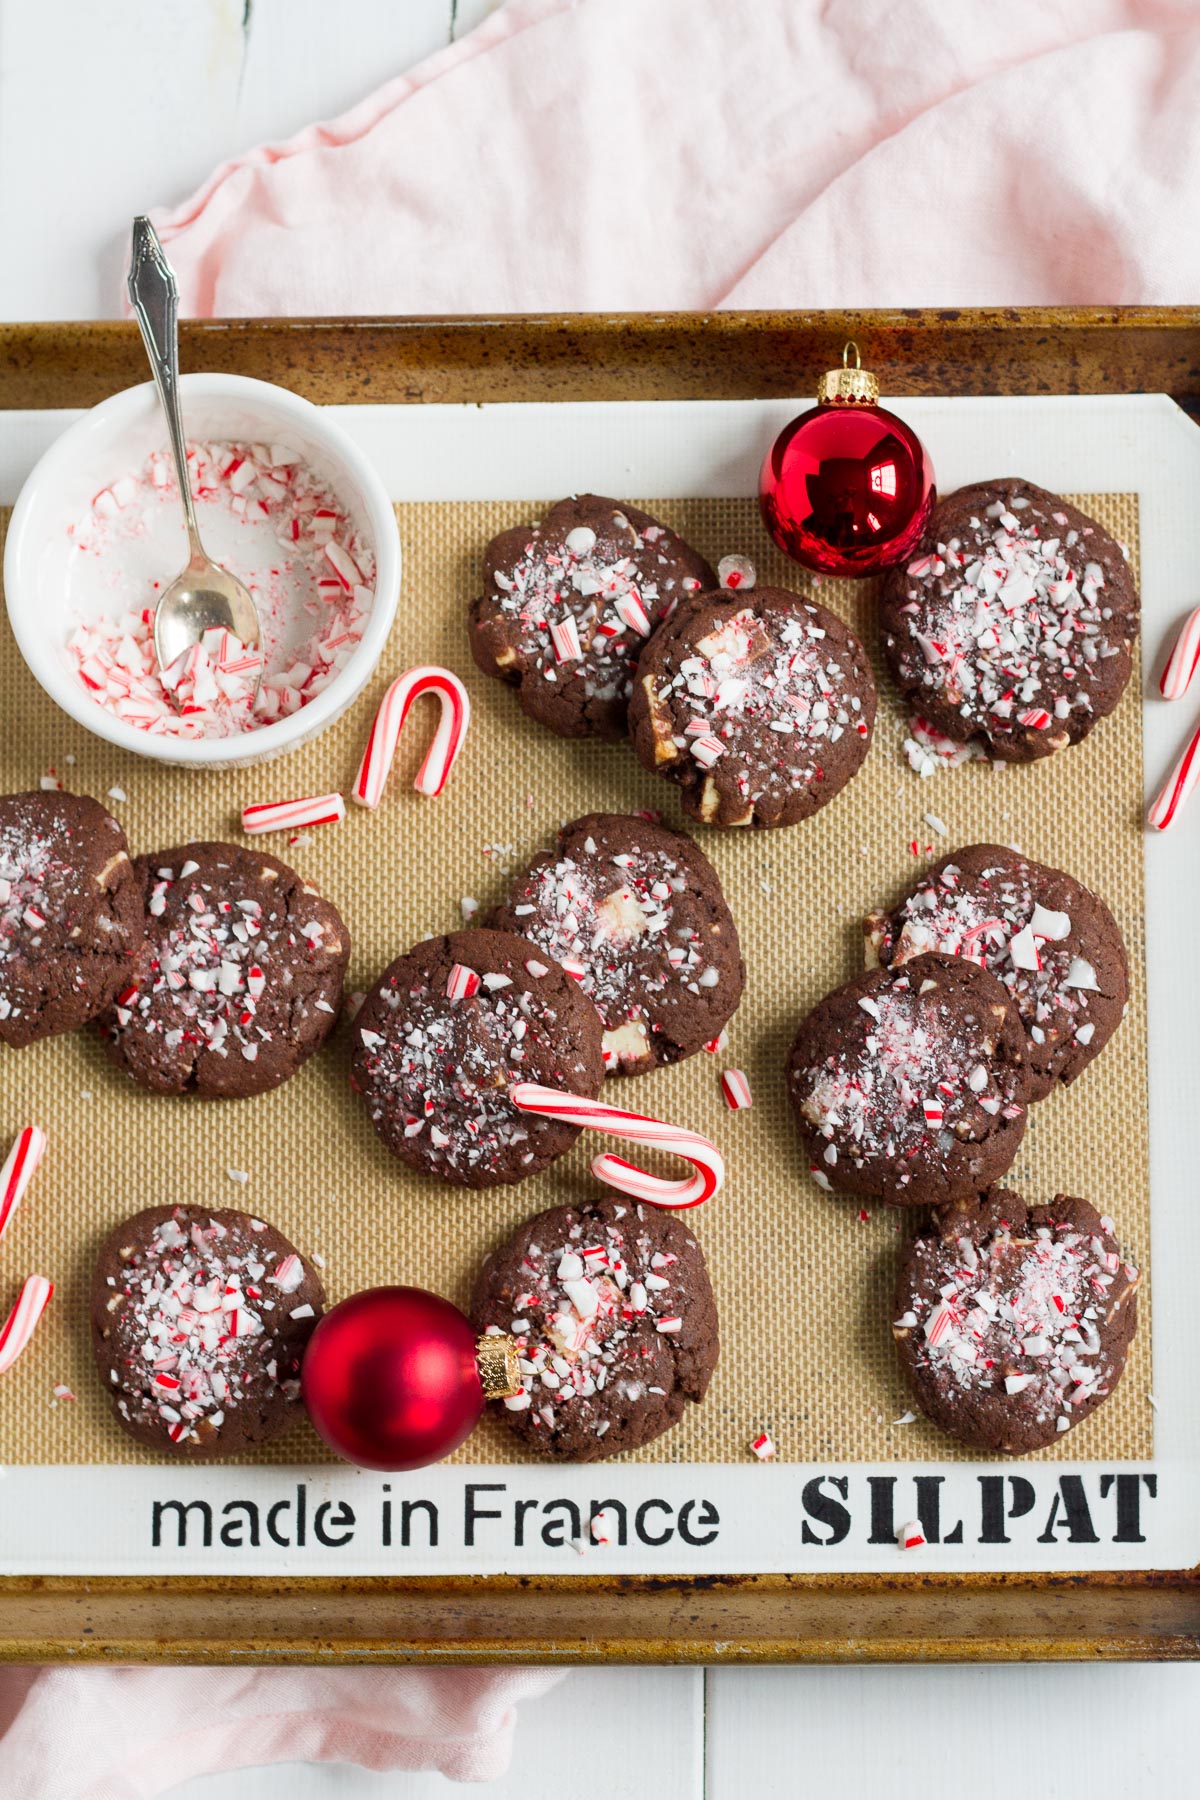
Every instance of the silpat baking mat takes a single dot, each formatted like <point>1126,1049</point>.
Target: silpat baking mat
<point>803,1281</point>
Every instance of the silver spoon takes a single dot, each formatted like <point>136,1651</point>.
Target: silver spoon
<point>204,594</point>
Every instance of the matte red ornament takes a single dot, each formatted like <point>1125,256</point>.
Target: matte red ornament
<point>847,488</point>
<point>391,1378</point>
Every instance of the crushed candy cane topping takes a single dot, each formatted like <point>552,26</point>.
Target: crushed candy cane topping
<point>993,916</point>
<point>47,882</point>
<point>634,925</point>
<point>199,1325</point>
<point>1021,1310</point>
<point>766,689</point>
<point>585,602</point>
<point>1011,623</point>
<point>218,942</point>
<point>598,1319</point>
<point>916,1078</point>
<point>450,1057</point>
<point>266,514</point>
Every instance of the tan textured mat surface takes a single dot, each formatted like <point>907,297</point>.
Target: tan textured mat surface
<point>802,1283</point>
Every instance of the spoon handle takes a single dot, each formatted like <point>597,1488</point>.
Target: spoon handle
<point>154,296</point>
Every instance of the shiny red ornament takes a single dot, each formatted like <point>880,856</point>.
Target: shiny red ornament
<point>847,488</point>
<point>391,1378</point>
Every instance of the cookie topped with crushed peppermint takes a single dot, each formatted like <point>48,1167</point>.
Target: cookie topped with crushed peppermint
<point>1015,621</point>
<point>239,979</point>
<point>760,707</point>
<point>615,1322</point>
<point>911,1083</point>
<point>1012,1322</point>
<point>568,604</point>
<point>636,914</point>
<point>447,1029</point>
<point>1050,941</point>
<point>70,913</point>
<point>199,1323</point>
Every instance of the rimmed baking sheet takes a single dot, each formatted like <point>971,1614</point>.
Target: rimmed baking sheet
<point>802,1282</point>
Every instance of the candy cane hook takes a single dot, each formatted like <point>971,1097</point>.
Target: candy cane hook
<point>635,1128</point>
<point>434,772</point>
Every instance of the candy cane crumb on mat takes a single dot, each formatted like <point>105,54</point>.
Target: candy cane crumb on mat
<point>595,1115</point>
<point>763,1446</point>
<point>290,815</point>
<point>1166,806</point>
<point>448,739</point>
<point>21,1323</point>
<point>910,1536</point>
<point>1181,664</point>
<point>736,1090</point>
<point>20,1167</point>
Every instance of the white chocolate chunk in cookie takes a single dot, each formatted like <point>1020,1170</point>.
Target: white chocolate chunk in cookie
<point>620,915</point>
<point>627,1043</point>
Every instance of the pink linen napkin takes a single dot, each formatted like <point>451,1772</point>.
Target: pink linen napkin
<point>676,153</point>
<point>128,1734</point>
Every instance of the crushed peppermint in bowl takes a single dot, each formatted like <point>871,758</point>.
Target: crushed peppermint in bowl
<point>283,497</point>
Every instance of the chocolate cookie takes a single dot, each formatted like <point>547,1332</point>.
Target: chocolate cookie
<point>911,1083</point>
<point>1013,1322</point>
<point>615,1323</point>
<point>199,1322</point>
<point>70,914</point>
<point>239,979</point>
<point>568,604</point>
<point>1014,623</point>
<point>636,914</point>
<point>446,1031</point>
<point>760,707</point>
<point>1050,941</point>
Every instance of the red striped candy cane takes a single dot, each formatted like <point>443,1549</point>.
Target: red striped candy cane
<point>1179,785</point>
<point>389,723</point>
<point>596,1115</point>
<point>1181,664</point>
<point>290,815</point>
<point>21,1323</point>
<point>19,1170</point>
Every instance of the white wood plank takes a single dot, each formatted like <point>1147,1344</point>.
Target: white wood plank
<point>925,1733</point>
<point>149,100</point>
<point>620,1734</point>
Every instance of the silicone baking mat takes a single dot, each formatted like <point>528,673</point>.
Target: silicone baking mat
<point>803,1281</point>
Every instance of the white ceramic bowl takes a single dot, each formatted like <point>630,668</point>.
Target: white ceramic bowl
<point>116,437</point>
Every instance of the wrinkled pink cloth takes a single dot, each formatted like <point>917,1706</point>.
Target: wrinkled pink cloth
<point>584,154</point>
<point>128,1734</point>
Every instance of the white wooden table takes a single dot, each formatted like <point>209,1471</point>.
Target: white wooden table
<point>106,109</point>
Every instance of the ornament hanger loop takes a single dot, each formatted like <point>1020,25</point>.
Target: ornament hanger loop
<point>851,385</point>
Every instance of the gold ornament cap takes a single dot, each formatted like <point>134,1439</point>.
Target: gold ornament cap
<point>499,1369</point>
<point>848,386</point>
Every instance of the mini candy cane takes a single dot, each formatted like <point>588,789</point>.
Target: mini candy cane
<point>1181,664</point>
<point>19,1170</point>
<point>1179,785</point>
<point>19,1327</point>
<point>389,723</point>
<point>626,1177</point>
<point>289,815</point>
